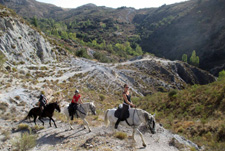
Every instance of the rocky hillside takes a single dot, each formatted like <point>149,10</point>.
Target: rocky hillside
<point>31,8</point>
<point>168,31</point>
<point>34,64</point>
<point>21,43</point>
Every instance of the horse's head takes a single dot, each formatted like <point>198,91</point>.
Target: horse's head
<point>57,106</point>
<point>92,108</point>
<point>150,120</point>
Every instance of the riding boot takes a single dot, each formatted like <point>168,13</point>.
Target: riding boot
<point>117,123</point>
<point>71,117</point>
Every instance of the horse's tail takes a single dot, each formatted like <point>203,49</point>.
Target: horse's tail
<point>29,115</point>
<point>106,118</point>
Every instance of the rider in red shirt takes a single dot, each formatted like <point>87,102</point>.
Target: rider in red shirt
<point>73,105</point>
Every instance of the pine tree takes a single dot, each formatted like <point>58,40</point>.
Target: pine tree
<point>184,58</point>
<point>194,59</point>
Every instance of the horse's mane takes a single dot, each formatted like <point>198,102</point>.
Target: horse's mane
<point>49,104</point>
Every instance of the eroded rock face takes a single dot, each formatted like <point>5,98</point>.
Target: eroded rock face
<point>20,43</point>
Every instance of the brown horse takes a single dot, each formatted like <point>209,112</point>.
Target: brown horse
<point>47,112</point>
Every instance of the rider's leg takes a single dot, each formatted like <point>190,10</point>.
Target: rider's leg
<point>124,110</point>
<point>75,109</point>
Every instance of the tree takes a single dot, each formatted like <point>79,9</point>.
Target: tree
<point>221,75</point>
<point>184,58</point>
<point>35,22</point>
<point>194,59</point>
<point>138,50</point>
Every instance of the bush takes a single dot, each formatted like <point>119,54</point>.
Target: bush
<point>221,75</point>
<point>82,53</point>
<point>25,142</point>
<point>23,127</point>
<point>221,134</point>
<point>121,135</point>
<point>102,97</point>
<point>172,93</point>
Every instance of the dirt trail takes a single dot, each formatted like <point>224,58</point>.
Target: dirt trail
<point>101,137</point>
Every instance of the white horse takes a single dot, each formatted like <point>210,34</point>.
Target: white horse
<point>82,111</point>
<point>136,118</point>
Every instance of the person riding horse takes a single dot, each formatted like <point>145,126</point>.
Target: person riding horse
<point>73,105</point>
<point>126,104</point>
<point>42,102</point>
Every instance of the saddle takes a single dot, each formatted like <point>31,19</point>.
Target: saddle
<point>118,112</point>
<point>72,111</point>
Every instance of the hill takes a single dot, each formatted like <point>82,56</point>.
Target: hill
<point>173,30</point>
<point>32,62</point>
<point>168,31</point>
<point>196,112</point>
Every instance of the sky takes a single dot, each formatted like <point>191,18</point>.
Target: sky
<point>111,3</point>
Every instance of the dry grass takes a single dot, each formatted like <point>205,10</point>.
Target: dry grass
<point>3,106</point>
<point>121,135</point>
<point>25,142</point>
<point>17,97</point>
<point>22,103</point>
<point>6,135</point>
<point>23,127</point>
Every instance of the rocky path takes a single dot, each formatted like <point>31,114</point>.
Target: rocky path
<point>102,138</point>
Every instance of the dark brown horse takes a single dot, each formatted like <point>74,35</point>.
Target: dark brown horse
<point>47,112</point>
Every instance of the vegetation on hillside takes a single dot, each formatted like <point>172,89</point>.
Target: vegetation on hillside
<point>196,112</point>
<point>2,59</point>
<point>84,33</point>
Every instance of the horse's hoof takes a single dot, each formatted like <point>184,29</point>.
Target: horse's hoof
<point>144,145</point>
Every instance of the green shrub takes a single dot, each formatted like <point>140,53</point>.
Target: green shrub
<point>102,97</point>
<point>25,142</point>
<point>221,75</point>
<point>82,53</point>
<point>172,93</point>
<point>221,134</point>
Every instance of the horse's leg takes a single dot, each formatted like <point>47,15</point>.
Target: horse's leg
<point>133,134</point>
<point>53,121</point>
<point>35,119</point>
<point>86,123</point>
<point>50,122</point>
<point>68,120</point>
<point>41,120</point>
<point>143,141</point>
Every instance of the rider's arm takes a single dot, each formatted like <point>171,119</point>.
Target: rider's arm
<point>125,98</point>
<point>80,101</point>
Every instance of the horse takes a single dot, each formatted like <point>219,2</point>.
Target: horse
<point>47,112</point>
<point>82,110</point>
<point>136,118</point>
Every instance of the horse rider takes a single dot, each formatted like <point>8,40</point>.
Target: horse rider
<point>73,105</point>
<point>126,104</point>
<point>42,102</point>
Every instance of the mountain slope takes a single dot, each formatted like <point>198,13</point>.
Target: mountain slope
<point>168,31</point>
<point>21,43</point>
<point>34,65</point>
<point>31,8</point>
<point>174,30</point>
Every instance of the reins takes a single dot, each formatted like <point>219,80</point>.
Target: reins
<point>135,110</point>
<point>81,111</point>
